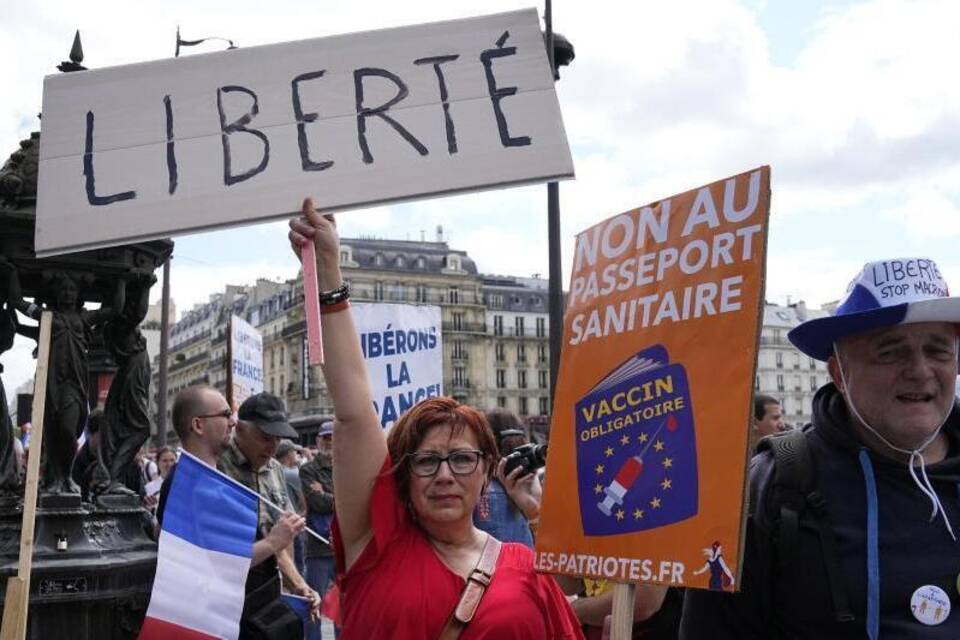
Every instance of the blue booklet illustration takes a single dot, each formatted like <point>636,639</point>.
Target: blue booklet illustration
<point>636,447</point>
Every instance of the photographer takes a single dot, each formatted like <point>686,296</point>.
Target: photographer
<point>510,506</point>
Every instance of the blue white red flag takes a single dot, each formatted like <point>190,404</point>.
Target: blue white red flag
<point>205,548</point>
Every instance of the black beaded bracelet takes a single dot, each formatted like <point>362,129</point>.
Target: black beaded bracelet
<point>335,296</point>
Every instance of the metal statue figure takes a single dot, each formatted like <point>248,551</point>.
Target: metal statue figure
<point>67,403</point>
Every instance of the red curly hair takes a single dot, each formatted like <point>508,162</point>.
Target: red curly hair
<point>412,427</point>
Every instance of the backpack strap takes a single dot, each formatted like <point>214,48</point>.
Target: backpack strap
<point>796,492</point>
<point>477,583</point>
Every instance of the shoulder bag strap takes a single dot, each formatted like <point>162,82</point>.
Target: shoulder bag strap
<point>477,583</point>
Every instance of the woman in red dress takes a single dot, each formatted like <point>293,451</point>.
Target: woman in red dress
<point>404,536</point>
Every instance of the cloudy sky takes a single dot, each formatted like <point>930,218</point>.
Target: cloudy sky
<point>855,105</point>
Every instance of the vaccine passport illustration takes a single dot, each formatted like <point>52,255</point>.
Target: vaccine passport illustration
<point>636,447</point>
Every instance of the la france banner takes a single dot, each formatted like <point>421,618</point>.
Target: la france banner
<point>403,350</point>
<point>173,146</point>
<point>645,478</point>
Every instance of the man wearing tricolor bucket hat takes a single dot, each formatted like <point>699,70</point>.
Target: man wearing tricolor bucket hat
<point>869,549</point>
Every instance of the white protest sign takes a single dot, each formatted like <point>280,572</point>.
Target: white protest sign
<point>246,360</point>
<point>403,349</point>
<point>172,146</point>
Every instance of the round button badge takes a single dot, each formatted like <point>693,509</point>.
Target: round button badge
<point>930,604</point>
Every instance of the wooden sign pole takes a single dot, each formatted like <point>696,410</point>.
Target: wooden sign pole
<point>311,303</point>
<point>621,625</point>
<point>17,600</point>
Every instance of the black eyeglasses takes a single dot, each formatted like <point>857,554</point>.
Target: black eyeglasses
<point>226,413</point>
<point>461,463</point>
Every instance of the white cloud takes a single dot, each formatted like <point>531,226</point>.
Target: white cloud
<point>927,215</point>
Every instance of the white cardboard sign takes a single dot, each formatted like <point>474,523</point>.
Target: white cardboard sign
<point>179,145</point>
<point>246,360</point>
<point>403,349</point>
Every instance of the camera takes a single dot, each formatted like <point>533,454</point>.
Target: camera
<point>528,456</point>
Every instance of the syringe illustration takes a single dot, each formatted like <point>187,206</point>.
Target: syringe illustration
<point>630,471</point>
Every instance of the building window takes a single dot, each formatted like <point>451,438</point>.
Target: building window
<point>757,384</point>
<point>542,379</point>
<point>453,295</point>
<point>521,352</point>
<point>541,327</point>
<point>378,291</point>
<point>501,378</point>
<point>499,352</point>
<point>779,360</point>
<point>459,377</point>
<point>421,262</point>
<point>813,383</point>
<point>518,324</point>
<point>453,262</point>
<point>378,260</point>
<point>495,300</point>
<point>458,322</point>
<point>544,405</point>
<point>796,361</point>
<point>273,358</point>
<point>797,385</point>
<point>501,402</point>
<point>813,363</point>
<point>541,352</point>
<point>344,256</point>
<point>458,351</point>
<point>536,301</point>
<point>399,262</point>
<point>780,386</point>
<point>282,351</point>
<point>421,292</point>
<point>522,378</point>
<point>523,405</point>
<point>498,325</point>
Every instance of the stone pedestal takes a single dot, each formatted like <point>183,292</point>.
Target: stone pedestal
<point>93,567</point>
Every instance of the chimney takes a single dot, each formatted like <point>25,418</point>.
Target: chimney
<point>801,308</point>
<point>439,233</point>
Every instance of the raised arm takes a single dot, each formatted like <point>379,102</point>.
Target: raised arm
<point>116,307</point>
<point>359,445</point>
<point>141,298</point>
<point>15,293</point>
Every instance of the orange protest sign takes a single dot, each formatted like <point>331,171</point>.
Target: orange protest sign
<point>646,472</point>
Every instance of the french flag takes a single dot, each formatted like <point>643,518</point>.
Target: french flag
<point>206,543</point>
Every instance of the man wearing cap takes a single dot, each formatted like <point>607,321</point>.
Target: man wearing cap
<point>875,554</point>
<point>316,478</point>
<point>248,459</point>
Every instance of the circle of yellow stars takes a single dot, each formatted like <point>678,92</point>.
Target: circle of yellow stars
<point>666,484</point>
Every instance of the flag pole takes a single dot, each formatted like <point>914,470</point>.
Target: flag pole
<point>251,492</point>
